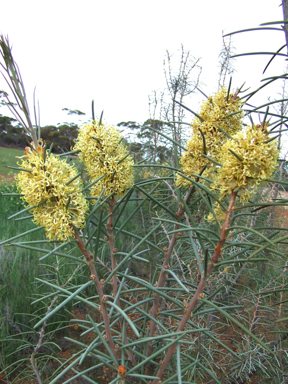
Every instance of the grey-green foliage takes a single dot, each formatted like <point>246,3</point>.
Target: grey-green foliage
<point>163,305</point>
<point>203,335</point>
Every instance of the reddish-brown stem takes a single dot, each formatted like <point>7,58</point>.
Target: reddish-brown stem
<point>99,288</point>
<point>200,287</point>
<point>161,278</point>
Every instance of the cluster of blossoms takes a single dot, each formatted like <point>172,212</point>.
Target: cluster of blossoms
<point>104,154</point>
<point>216,112</point>
<point>241,163</point>
<point>248,158</point>
<point>56,202</point>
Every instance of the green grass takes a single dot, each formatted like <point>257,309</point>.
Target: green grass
<point>18,289</point>
<point>8,157</point>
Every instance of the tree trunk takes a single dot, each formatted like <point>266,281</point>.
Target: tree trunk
<point>285,17</point>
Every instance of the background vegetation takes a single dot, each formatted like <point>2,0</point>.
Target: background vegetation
<point>238,329</point>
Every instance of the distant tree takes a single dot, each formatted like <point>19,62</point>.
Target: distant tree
<point>148,142</point>
<point>73,111</point>
<point>10,135</point>
<point>62,136</point>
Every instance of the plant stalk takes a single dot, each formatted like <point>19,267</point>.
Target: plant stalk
<point>165,265</point>
<point>203,280</point>
<point>99,288</point>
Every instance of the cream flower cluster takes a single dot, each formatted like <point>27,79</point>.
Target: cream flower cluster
<point>217,111</point>
<point>59,205</point>
<point>104,154</point>
<point>241,163</point>
<point>248,159</point>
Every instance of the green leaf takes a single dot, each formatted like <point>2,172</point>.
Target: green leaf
<point>119,291</point>
<point>271,139</point>
<point>194,229</point>
<point>269,62</point>
<point>24,218</point>
<point>204,368</point>
<point>267,104</point>
<point>71,296</point>
<point>58,288</point>
<point>160,337</point>
<point>155,354</point>
<point>57,249</point>
<point>22,234</point>
<point>125,157</point>
<point>132,213</point>
<point>65,370</point>
<point>250,230</point>
<point>96,206</point>
<point>42,250</point>
<point>101,116</point>
<point>168,138</point>
<point>177,279</point>
<point>280,320</point>
<point>261,259</point>
<point>93,182</point>
<point>236,155</point>
<point>69,153</point>
<point>276,22</point>
<point>212,160</point>
<point>127,319</point>
<point>50,149</point>
<point>22,211</point>
<point>93,111</point>
<point>12,194</point>
<point>146,316</point>
<point>96,138</point>
<point>266,246</point>
<point>19,169</point>
<point>194,113</point>
<point>204,141</point>
<point>125,199</point>
<point>254,29</point>
<point>131,234</point>
<point>74,178</point>
<point>240,325</point>
<point>276,181</point>
<point>88,379</point>
<point>178,357</point>
<point>229,88</point>
<point>184,369</point>
<point>122,262</point>
<point>105,343</point>
<point>205,262</point>
<point>156,201</point>
<point>143,376</point>
<point>258,53</point>
<point>150,287</point>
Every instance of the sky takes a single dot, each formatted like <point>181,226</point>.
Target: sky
<point>113,51</point>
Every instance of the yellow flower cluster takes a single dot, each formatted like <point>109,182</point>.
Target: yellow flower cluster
<point>254,160</point>
<point>104,154</point>
<point>45,185</point>
<point>217,111</point>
